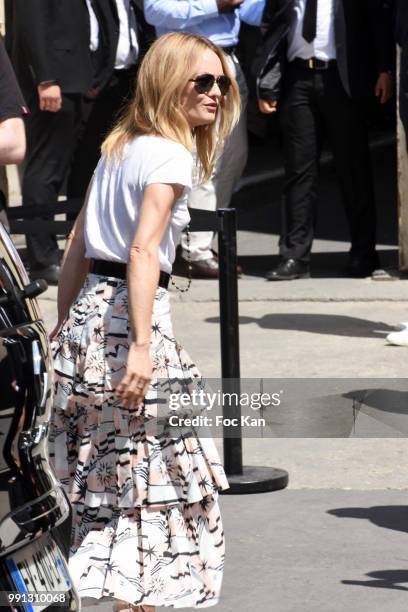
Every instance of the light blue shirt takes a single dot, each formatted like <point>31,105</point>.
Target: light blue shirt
<point>201,17</point>
<point>251,11</point>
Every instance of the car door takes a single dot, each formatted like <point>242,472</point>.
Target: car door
<point>34,511</point>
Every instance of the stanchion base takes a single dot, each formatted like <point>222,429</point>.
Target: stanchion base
<point>256,479</point>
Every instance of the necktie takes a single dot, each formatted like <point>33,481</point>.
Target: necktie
<point>310,21</point>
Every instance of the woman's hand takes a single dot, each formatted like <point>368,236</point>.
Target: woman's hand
<point>134,385</point>
<point>53,335</point>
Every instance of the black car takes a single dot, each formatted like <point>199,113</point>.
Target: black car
<point>35,515</point>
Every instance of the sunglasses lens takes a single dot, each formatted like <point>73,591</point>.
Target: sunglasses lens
<point>204,83</point>
<point>224,84</point>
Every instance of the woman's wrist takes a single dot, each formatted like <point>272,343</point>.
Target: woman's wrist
<point>141,345</point>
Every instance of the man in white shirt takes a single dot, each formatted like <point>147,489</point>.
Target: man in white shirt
<point>323,45</point>
<point>327,52</point>
<point>219,21</point>
<point>119,37</point>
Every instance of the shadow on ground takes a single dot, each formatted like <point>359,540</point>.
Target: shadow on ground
<point>383,579</point>
<point>334,325</point>
<point>386,517</point>
<point>385,400</point>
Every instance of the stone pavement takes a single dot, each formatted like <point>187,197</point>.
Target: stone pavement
<point>325,550</point>
<point>335,539</point>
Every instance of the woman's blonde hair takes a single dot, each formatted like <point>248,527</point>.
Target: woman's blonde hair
<point>156,107</point>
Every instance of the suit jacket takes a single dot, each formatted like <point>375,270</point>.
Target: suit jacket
<point>401,22</point>
<point>108,18</point>
<point>401,31</point>
<point>51,42</point>
<point>362,38</point>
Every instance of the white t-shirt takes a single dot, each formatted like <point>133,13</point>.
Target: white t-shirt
<point>116,194</point>
<point>324,45</point>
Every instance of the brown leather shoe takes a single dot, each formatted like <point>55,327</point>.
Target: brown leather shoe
<point>240,271</point>
<point>204,268</point>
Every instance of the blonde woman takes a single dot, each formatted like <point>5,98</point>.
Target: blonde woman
<point>147,529</point>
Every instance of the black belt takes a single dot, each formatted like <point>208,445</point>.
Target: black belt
<point>229,50</point>
<point>313,63</point>
<point>129,70</point>
<point>117,269</point>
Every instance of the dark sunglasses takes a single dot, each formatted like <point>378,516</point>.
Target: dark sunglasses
<point>205,82</point>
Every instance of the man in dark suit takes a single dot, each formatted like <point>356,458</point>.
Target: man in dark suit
<point>402,40</point>
<point>320,62</point>
<point>55,67</point>
<point>123,37</point>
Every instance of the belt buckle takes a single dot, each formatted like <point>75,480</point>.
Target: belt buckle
<point>312,64</point>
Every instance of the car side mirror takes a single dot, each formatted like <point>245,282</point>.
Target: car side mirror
<point>35,288</point>
<point>30,291</point>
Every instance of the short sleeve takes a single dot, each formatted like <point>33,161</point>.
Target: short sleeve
<point>170,163</point>
<point>11,99</point>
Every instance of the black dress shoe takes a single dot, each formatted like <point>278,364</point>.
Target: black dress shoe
<point>289,269</point>
<point>49,273</point>
<point>360,267</point>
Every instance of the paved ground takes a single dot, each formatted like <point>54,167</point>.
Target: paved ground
<point>313,551</point>
<point>335,539</point>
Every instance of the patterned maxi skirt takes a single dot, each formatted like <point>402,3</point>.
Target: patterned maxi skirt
<point>146,522</point>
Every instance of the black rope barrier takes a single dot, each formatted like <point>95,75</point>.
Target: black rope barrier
<point>39,218</point>
<point>242,479</point>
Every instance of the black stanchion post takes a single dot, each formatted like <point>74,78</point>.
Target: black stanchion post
<point>230,366</point>
<point>242,479</point>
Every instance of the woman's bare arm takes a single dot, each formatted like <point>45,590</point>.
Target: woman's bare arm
<point>12,141</point>
<point>142,277</point>
<point>74,269</point>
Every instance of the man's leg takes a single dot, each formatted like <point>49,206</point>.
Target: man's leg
<point>301,132</point>
<point>50,142</point>
<point>347,131</point>
<point>202,196</point>
<point>232,162</point>
<point>403,89</point>
<point>217,192</point>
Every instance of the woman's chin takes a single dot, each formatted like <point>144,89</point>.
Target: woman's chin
<point>206,119</point>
